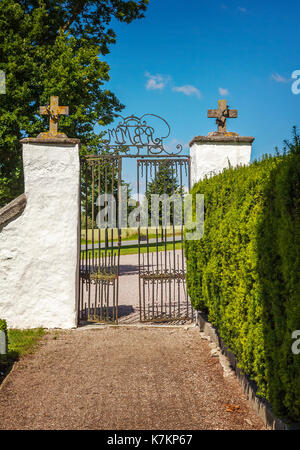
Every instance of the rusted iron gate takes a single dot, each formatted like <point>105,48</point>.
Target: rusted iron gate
<point>161,262</point>
<point>100,248</point>
<point>162,287</point>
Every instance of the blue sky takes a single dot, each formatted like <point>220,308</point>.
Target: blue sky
<point>184,56</point>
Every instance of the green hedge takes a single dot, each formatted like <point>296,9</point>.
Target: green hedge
<point>245,271</point>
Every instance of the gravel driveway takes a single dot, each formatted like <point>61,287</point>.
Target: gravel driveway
<point>123,378</point>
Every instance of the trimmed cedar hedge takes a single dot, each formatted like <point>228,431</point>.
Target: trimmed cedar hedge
<point>245,271</point>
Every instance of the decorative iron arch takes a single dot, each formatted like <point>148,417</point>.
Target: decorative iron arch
<point>134,132</point>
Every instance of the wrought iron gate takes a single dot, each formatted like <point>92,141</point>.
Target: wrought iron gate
<point>100,248</point>
<point>161,263</point>
<point>162,285</point>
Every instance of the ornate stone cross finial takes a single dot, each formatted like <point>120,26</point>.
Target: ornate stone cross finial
<point>53,111</point>
<point>222,114</point>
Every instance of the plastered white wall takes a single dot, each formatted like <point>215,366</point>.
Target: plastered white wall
<point>210,158</point>
<point>39,250</point>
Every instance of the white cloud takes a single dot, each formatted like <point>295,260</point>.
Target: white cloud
<point>156,82</point>
<point>223,91</point>
<point>187,89</point>
<point>241,9</point>
<point>280,79</point>
<point>159,82</point>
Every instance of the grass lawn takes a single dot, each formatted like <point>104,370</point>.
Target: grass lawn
<point>132,238</point>
<point>126,233</point>
<point>134,249</point>
<point>20,342</point>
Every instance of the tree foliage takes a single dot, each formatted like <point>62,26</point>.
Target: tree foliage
<point>164,182</point>
<point>52,47</point>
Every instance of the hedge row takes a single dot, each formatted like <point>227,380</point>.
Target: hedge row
<point>245,271</point>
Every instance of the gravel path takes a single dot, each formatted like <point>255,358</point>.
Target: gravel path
<point>129,280</point>
<point>123,378</point>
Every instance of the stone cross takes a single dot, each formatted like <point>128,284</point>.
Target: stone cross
<point>53,111</point>
<point>3,349</point>
<point>222,114</point>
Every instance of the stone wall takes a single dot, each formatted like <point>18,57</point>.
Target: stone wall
<point>39,244</point>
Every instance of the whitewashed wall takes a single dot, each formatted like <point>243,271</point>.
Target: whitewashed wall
<point>39,250</point>
<point>208,158</point>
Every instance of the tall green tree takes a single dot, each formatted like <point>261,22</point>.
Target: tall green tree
<point>53,47</point>
<point>164,182</point>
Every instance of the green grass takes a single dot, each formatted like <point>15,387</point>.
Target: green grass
<point>24,341</point>
<point>134,237</point>
<point>127,234</point>
<point>20,343</point>
<point>134,249</point>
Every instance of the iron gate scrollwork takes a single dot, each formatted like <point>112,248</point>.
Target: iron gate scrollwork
<point>161,262</point>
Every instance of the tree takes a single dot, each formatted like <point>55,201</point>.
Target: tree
<point>52,47</point>
<point>164,182</point>
<point>98,180</point>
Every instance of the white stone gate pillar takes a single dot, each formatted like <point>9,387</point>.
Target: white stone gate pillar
<point>219,150</point>
<point>213,153</point>
<point>39,248</point>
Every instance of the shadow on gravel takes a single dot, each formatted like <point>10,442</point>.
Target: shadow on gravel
<point>131,269</point>
<point>123,311</point>
<point>6,363</point>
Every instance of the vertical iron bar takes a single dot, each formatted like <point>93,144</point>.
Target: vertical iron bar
<point>99,229</point>
<point>93,212</point>
<point>119,232</point>
<point>139,238</point>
